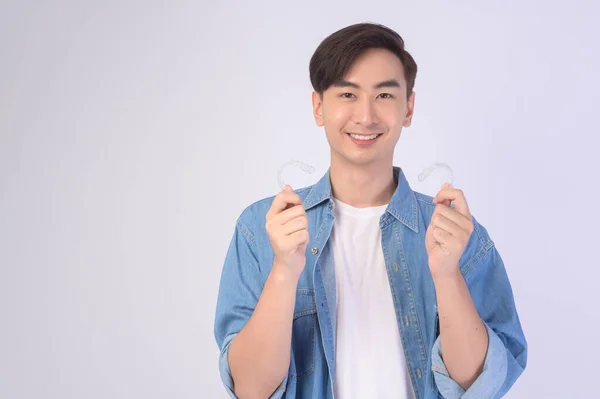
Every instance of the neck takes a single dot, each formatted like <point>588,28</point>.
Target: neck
<point>362,186</point>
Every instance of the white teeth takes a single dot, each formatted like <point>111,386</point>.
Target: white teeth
<point>360,137</point>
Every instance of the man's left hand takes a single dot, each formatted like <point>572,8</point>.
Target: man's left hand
<point>448,232</point>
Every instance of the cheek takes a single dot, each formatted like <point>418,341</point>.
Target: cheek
<point>337,116</point>
<point>393,115</point>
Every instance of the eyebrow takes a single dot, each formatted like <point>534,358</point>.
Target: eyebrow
<point>380,85</point>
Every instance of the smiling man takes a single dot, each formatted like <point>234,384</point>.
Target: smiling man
<point>358,286</point>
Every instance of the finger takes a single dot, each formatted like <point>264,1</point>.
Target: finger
<point>445,202</point>
<point>442,237</point>
<point>288,189</point>
<point>438,201</point>
<point>300,237</point>
<point>439,221</point>
<point>289,214</point>
<point>282,200</point>
<point>456,197</point>
<point>294,225</point>
<point>461,220</point>
<point>444,187</point>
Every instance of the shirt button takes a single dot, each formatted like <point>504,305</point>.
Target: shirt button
<point>314,250</point>
<point>330,205</point>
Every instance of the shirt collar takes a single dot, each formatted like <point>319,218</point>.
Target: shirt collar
<point>403,205</point>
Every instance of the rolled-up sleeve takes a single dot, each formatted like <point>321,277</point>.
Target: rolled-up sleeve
<point>224,370</point>
<point>239,290</point>
<point>489,381</point>
<point>506,356</point>
<point>226,373</point>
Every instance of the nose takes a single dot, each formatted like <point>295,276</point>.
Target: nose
<point>366,112</point>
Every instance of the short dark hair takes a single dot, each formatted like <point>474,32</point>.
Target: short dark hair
<point>337,52</point>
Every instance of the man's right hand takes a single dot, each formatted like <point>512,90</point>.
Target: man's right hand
<point>287,227</point>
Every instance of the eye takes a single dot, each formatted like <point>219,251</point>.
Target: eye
<point>386,95</point>
<point>347,95</point>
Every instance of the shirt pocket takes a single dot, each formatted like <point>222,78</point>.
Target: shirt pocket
<point>302,362</point>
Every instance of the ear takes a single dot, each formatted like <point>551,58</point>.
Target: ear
<point>410,110</point>
<point>317,102</point>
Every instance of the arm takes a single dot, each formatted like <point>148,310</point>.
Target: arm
<point>484,349</point>
<point>464,338</point>
<point>259,356</point>
<point>505,356</point>
<point>253,325</point>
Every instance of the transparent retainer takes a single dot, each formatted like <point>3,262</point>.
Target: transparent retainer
<point>299,164</point>
<point>435,166</point>
<point>428,171</point>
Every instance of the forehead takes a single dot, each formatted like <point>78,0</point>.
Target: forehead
<point>375,65</point>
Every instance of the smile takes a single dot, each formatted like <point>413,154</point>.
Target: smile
<point>362,139</point>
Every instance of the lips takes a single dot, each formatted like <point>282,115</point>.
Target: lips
<point>363,135</point>
<point>363,142</point>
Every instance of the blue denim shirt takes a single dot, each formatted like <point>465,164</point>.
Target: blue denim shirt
<point>250,257</point>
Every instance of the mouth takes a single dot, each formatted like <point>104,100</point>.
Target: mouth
<point>362,139</point>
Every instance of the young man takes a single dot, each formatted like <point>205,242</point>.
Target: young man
<point>357,286</point>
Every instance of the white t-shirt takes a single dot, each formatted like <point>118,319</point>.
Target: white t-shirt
<point>369,361</point>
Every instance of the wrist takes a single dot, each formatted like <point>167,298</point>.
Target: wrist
<point>284,275</point>
<point>450,278</point>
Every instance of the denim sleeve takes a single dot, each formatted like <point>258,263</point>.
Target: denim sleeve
<point>506,356</point>
<point>239,290</point>
<point>226,373</point>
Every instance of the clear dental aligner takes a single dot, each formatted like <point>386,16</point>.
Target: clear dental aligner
<point>433,167</point>
<point>310,169</point>
<point>299,164</point>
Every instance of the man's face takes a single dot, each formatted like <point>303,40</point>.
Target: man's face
<point>370,100</point>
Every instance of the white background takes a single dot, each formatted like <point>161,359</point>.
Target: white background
<point>132,135</point>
